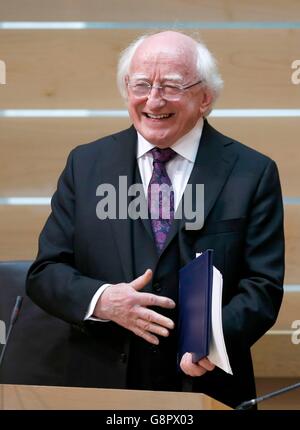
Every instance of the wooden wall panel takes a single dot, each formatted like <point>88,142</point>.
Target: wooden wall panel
<point>134,10</point>
<point>292,235</point>
<point>289,312</point>
<point>276,356</point>
<point>19,230</point>
<point>287,401</point>
<point>76,69</point>
<point>34,151</point>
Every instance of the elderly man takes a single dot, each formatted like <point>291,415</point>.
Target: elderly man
<point>115,279</point>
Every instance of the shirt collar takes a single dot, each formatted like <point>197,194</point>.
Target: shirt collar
<point>186,146</point>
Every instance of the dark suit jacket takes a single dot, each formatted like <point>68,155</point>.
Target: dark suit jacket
<point>243,224</point>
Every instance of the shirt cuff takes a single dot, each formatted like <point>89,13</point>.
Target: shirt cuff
<point>93,303</point>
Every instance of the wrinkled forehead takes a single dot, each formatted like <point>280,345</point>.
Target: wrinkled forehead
<point>177,59</point>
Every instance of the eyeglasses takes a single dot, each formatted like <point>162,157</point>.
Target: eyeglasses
<point>143,89</point>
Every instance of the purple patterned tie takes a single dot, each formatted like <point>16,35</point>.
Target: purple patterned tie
<point>161,196</point>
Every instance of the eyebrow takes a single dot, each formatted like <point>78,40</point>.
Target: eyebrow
<point>171,77</point>
<point>139,76</point>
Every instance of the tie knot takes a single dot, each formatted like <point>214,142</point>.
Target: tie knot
<point>162,155</point>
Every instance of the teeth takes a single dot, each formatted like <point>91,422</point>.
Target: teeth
<point>158,116</point>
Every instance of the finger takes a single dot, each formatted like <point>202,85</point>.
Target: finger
<point>154,317</point>
<point>208,365</point>
<point>190,368</point>
<point>146,335</point>
<point>152,328</point>
<point>149,299</point>
<point>142,280</point>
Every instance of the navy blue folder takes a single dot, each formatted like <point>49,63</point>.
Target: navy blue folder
<point>195,296</point>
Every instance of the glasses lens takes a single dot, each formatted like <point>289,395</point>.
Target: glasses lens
<point>170,92</point>
<point>143,89</point>
<point>140,89</point>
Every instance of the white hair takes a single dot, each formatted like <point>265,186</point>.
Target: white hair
<point>206,66</point>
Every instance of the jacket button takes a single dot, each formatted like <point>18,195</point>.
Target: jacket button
<point>157,287</point>
<point>123,357</point>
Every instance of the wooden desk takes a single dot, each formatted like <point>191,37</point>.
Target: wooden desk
<point>22,397</point>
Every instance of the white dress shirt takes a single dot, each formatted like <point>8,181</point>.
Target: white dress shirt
<point>179,170</point>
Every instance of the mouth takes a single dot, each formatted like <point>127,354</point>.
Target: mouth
<point>160,117</point>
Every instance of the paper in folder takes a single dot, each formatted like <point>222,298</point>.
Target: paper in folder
<point>200,312</point>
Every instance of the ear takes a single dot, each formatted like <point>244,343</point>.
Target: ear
<point>126,80</point>
<point>205,102</point>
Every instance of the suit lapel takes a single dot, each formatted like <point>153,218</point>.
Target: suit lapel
<point>120,161</point>
<point>145,252</point>
<point>212,167</point>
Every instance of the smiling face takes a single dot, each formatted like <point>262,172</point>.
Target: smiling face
<point>166,58</point>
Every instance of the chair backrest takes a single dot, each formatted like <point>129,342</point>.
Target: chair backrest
<point>36,351</point>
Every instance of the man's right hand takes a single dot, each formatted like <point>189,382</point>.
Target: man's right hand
<point>127,306</point>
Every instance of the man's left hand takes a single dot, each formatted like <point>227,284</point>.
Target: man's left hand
<point>195,369</point>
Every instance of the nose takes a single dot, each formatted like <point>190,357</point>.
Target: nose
<point>155,99</point>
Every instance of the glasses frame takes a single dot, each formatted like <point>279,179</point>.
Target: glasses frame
<point>161,87</point>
